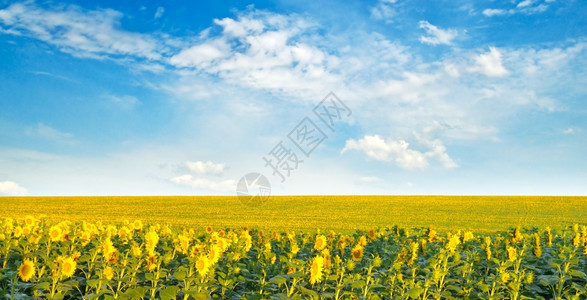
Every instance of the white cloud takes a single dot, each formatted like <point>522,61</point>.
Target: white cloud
<point>205,184</point>
<point>263,51</point>
<point>490,12</point>
<point>569,130</point>
<point>10,188</point>
<point>384,11</point>
<point>399,153</point>
<point>204,168</point>
<point>437,36</point>
<point>201,56</point>
<point>125,101</point>
<point>527,7</point>
<point>48,132</point>
<point>83,33</point>
<point>524,3</point>
<point>159,12</point>
<point>370,179</point>
<point>490,64</point>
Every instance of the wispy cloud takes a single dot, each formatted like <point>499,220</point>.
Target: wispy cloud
<point>125,101</point>
<point>84,33</point>
<point>52,75</point>
<point>47,132</point>
<point>437,36</point>
<point>205,168</point>
<point>527,7</point>
<point>10,188</point>
<point>159,12</point>
<point>384,10</point>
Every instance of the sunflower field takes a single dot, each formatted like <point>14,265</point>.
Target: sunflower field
<point>133,260</point>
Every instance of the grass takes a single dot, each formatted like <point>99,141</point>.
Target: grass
<point>309,213</point>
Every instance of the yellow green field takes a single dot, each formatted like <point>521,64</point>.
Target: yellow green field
<point>309,213</point>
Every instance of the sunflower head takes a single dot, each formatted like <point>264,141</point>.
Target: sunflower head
<point>214,254</point>
<point>55,233</point>
<point>203,265</point>
<point>316,269</point>
<point>108,273</point>
<point>320,243</point>
<point>512,253</point>
<point>209,229</point>
<point>357,253</point>
<point>26,271</point>
<point>29,220</point>
<point>68,266</point>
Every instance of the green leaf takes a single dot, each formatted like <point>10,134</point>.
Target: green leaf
<point>256,297</point>
<point>358,284</point>
<point>42,286</point>
<point>332,277</point>
<point>577,273</point>
<point>181,273</point>
<point>308,292</point>
<point>93,282</point>
<point>168,293</point>
<point>279,280</point>
<point>415,292</point>
<point>484,287</point>
<point>547,280</point>
<point>296,275</point>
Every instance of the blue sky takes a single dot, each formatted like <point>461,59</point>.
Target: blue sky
<point>184,98</point>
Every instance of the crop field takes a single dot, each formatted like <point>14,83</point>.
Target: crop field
<point>310,247</point>
<point>309,213</point>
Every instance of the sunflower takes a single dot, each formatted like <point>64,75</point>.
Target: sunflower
<point>320,243</point>
<point>151,262</point>
<point>184,244</point>
<point>55,233</point>
<point>357,253</point>
<point>136,250</point>
<point>26,230</point>
<point>26,271</point>
<point>316,269</point>
<point>326,255</point>
<point>372,235</point>
<point>468,236</point>
<point>214,254</point>
<point>453,242</point>
<point>203,265</point>
<point>17,231</point>
<point>29,220</point>
<point>291,236</point>
<point>222,243</point>
<point>108,273</point>
<point>137,225</point>
<point>108,249</point>
<point>124,232</point>
<point>209,229</point>
<point>341,245</point>
<point>151,239</point>
<point>68,266</point>
<point>512,253</point>
<point>363,241</point>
